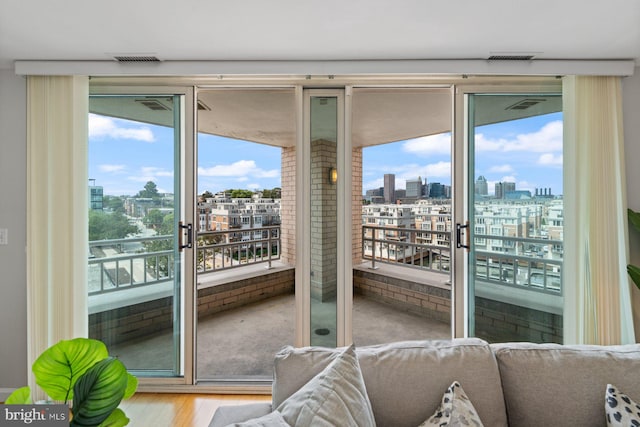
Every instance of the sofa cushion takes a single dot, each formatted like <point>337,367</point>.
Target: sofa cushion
<point>335,397</point>
<point>555,385</point>
<point>405,380</point>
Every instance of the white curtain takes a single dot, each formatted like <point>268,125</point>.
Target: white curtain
<point>57,188</point>
<point>597,288</point>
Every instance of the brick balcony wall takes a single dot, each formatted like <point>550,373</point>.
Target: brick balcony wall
<point>495,321</point>
<point>422,299</point>
<point>151,317</point>
<point>214,299</point>
<point>499,322</point>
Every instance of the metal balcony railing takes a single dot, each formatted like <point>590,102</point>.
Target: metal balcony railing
<point>221,250</point>
<point>530,263</point>
<point>523,262</point>
<point>123,263</point>
<point>407,246</point>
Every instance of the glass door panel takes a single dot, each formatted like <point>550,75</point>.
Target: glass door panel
<point>402,224</point>
<point>515,217</point>
<point>245,253</point>
<point>323,237</point>
<point>135,266</point>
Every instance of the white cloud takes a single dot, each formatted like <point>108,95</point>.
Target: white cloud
<point>549,159</point>
<point>151,173</point>
<point>111,168</point>
<point>429,145</point>
<point>241,168</point>
<point>508,178</point>
<point>253,186</point>
<point>101,127</point>
<point>372,185</point>
<point>501,169</point>
<point>547,139</point>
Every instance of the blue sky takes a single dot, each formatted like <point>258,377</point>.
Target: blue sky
<point>124,155</point>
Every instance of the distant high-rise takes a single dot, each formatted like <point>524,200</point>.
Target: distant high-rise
<point>414,188</point>
<point>436,190</point>
<point>96,196</point>
<point>503,188</point>
<point>481,186</point>
<point>389,188</point>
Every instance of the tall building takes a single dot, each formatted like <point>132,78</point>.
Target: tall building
<point>414,188</point>
<point>96,197</point>
<point>481,186</point>
<point>503,188</point>
<point>389,188</point>
<point>436,190</point>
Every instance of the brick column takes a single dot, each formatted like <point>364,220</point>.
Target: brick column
<point>288,206</point>
<point>324,227</point>
<point>356,205</point>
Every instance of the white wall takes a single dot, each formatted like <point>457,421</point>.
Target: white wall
<point>631,106</point>
<point>13,201</point>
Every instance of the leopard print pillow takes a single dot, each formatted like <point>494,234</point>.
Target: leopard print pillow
<point>620,409</point>
<point>455,410</point>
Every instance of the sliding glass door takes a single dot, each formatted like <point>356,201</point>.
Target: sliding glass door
<point>140,236</point>
<point>515,217</point>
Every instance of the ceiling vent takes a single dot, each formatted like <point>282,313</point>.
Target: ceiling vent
<point>511,57</point>
<point>136,58</point>
<point>525,104</point>
<point>153,104</point>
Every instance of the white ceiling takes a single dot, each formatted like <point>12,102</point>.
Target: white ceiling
<point>318,30</point>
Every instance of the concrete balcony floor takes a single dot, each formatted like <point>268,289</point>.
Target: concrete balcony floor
<point>240,344</point>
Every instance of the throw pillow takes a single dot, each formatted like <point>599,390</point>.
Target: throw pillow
<point>620,409</point>
<point>455,410</point>
<point>335,397</point>
<point>273,419</point>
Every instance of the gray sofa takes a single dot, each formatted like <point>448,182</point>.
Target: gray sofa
<point>509,384</point>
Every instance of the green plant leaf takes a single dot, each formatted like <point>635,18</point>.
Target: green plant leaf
<point>634,273</point>
<point>132,385</point>
<point>634,217</point>
<point>99,392</point>
<point>116,419</point>
<point>21,396</point>
<point>59,367</point>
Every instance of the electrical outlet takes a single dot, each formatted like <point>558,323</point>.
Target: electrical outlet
<point>4,236</point>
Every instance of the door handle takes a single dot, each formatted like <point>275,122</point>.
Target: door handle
<point>459,244</point>
<point>189,229</point>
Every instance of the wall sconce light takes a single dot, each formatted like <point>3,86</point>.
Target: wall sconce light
<point>333,175</point>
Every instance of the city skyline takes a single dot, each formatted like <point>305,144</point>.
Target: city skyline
<point>124,155</point>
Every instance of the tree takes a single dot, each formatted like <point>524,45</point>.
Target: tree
<point>109,225</point>
<point>113,203</point>
<point>206,195</point>
<point>153,218</point>
<point>274,193</point>
<point>241,194</point>
<point>150,191</point>
<point>164,229</point>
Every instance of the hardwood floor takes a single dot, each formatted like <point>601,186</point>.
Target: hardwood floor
<point>179,410</point>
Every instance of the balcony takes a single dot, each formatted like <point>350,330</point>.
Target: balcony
<point>243,287</point>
